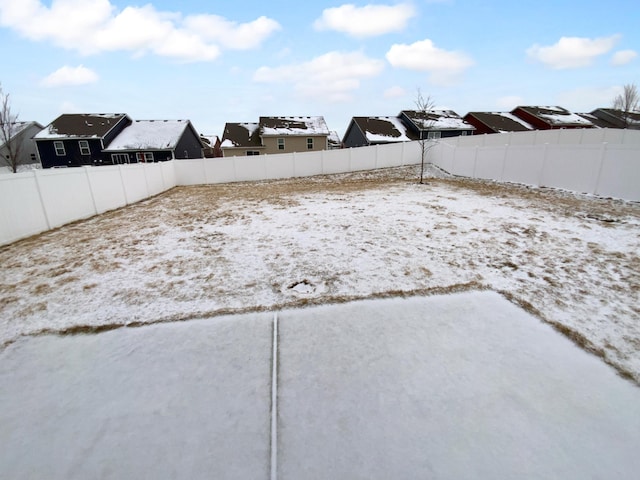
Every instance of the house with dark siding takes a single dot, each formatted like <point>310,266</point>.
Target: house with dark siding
<point>366,131</point>
<point>147,141</point>
<point>73,140</point>
<point>551,118</point>
<point>434,124</point>
<point>496,122</point>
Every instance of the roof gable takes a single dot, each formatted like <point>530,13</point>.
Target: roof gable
<point>283,126</point>
<point>81,125</point>
<point>150,135</point>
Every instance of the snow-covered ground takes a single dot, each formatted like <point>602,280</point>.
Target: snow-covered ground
<point>201,251</point>
<point>461,386</point>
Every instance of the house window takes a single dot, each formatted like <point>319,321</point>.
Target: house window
<point>119,158</point>
<point>144,157</point>
<point>433,135</point>
<point>281,144</point>
<point>84,147</point>
<point>309,143</point>
<point>60,151</point>
<point>252,152</point>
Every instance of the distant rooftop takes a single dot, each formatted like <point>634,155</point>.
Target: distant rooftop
<point>272,126</point>
<point>556,116</point>
<point>92,125</point>
<point>437,120</point>
<point>501,121</point>
<point>241,135</point>
<point>150,135</point>
<point>384,129</point>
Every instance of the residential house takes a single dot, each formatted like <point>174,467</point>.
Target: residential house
<point>550,118</point>
<point>365,131</point>
<point>333,140</point>
<point>212,146</point>
<point>154,141</point>
<point>241,139</point>
<point>496,122</point>
<point>73,140</point>
<point>618,118</point>
<point>597,122</point>
<point>23,147</point>
<point>273,135</point>
<point>294,134</point>
<point>434,124</point>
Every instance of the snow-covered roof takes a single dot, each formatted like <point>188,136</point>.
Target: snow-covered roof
<point>557,116</point>
<point>83,125</point>
<point>437,120</point>
<point>280,126</point>
<point>384,129</point>
<point>150,135</point>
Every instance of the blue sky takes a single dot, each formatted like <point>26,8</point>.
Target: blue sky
<point>215,62</point>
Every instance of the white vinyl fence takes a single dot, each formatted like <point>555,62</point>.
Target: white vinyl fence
<point>599,161</point>
<point>587,166</point>
<point>36,201</point>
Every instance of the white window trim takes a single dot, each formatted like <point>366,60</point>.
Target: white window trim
<point>281,144</point>
<point>251,153</point>
<point>144,157</point>
<point>434,135</point>
<point>59,147</point>
<point>116,157</point>
<point>310,143</point>
<point>84,147</point>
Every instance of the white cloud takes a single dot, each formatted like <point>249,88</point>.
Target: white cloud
<point>572,52</point>
<point>367,21</point>
<point>94,26</point>
<point>332,76</point>
<point>230,34</point>
<point>444,66</point>
<point>70,76</point>
<point>395,92</point>
<point>623,57</point>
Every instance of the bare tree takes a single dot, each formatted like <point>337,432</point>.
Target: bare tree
<point>10,155</point>
<point>424,105</point>
<point>628,101</point>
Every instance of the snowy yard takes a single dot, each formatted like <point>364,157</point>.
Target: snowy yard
<point>195,252</point>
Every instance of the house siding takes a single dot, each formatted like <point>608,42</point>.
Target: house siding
<point>354,136</point>
<point>72,157</point>
<point>294,143</point>
<point>190,144</point>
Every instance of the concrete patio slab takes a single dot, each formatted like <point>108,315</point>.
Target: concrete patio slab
<point>186,400</point>
<point>460,386</point>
